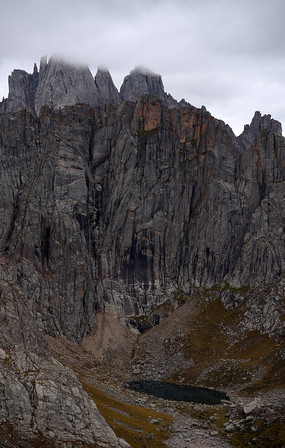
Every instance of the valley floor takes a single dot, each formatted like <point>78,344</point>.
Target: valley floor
<point>106,361</point>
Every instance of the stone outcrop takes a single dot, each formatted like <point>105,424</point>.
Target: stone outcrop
<point>252,130</point>
<point>141,81</point>
<point>44,399</point>
<point>3,106</point>
<point>40,399</point>
<point>22,89</point>
<point>107,92</point>
<point>58,83</point>
<point>62,84</point>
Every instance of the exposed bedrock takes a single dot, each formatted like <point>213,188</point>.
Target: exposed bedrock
<point>115,208</point>
<point>118,207</point>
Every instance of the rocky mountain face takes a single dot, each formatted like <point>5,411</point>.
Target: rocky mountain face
<point>120,209</point>
<point>42,402</point>
<point>59,83</point>
<point>252,131</point>
<point>106,90</point>
<point>22,90</point>
<point>62,84</point>
<point>120,195</point>
<point>141,81</point>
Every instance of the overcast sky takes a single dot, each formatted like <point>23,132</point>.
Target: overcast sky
<point>228,55</point>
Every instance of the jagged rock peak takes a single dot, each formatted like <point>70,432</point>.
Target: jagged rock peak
<point>43,62</point>
<point>106,89</point>
<point>144,71</point>
<point>264,122</point>
<point>258,123</point>
<point>139,81</point>
<point>62,83</point>
<point>142,80</point>
<point>22,88</point>
<point>56,84</point>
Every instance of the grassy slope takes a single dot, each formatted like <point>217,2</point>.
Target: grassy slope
<point>232,362</point>
<point>139,426</point>
<point>223,355</point>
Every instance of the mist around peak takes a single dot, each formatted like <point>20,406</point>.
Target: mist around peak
<point>65,80</point>
<point>143,70</point>
<point>102,68</point>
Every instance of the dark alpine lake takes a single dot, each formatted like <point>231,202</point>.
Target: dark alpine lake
<point>178,392</point>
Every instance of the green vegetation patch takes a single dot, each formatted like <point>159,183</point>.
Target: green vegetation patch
<point>272,362</point>
<point>144,133</point>
<point>258,433</point>
<point>206,337</point>
<point>179,296</point>
<point>164,308</point>
<point>206,341</point>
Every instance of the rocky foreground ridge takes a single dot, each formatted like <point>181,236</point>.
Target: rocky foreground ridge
<point>120,204</point>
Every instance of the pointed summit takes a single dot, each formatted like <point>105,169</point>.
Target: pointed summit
<point>43,62</point>
<point>22,90</point>
<point>63,84</point>
<point>142,80</point>
<point>252,131</point>
<point>107,92</point>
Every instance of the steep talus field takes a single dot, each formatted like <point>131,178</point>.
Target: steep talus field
<point>139,240</point>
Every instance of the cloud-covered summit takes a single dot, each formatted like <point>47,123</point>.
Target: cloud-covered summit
<point>226,55</point>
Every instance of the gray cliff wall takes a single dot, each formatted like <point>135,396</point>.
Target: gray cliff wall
<point>57,84</point>
<point>141,81</point>
<point>107,91</point>
<point>115,208</point>
<point>41,285</point>
<point>252,130</point>
<point>22,91</point>
<point>63,84</point>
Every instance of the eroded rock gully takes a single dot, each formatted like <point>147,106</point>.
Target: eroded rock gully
<point>116,209</point>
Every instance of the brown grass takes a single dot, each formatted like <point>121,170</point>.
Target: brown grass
<point>229,363</point>
<point>132,423</point>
